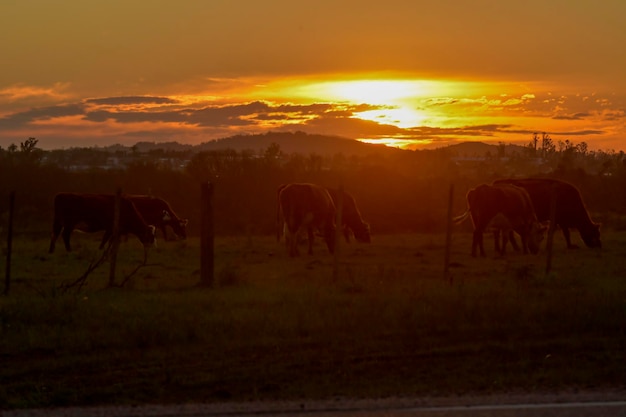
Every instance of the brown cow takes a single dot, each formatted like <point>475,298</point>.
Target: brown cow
<point>306,207</point>
<point>486,201</point>
<point>157,212</point>
<point>570,209</point>
<point>351,221</point>
<point>94,212</point>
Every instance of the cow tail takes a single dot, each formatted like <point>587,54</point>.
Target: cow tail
<point>462,217</point>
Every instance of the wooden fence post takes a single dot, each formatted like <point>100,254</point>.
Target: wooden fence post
<point>7,272</point>
<point>206,235</point>
<point>446,261</point>
<point>551,230</point>
<point>115,236</point>
<point>338,232</point>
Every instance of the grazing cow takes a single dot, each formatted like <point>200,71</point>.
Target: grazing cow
<point>351,221</point>
<point>570,209</point>
<point>94,212</point>
<point>306,207</point>
<point>157,212</point>
<point>486,201</point>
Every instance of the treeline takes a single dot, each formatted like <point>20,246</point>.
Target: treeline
<point>403,191</point>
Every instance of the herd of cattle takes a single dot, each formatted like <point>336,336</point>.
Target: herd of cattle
<point>506,207</point>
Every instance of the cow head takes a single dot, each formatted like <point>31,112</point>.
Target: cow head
<point>535,235</point>
<point>362,233</point>
<point>178,225</point>
<point>591,236</point>
<point>180,228</point>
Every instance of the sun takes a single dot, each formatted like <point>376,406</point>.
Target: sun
<point>373,91</point>
<point>399,102</point>
<point>389,101</point>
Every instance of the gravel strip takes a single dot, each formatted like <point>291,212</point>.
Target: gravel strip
<point>281,407</point>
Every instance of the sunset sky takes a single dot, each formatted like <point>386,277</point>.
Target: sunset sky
<point>408,73</point>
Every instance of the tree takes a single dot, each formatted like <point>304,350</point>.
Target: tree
<point>547,145</point>
<point>582,148</point>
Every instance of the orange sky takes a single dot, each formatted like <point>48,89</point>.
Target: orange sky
<point>406,72</point>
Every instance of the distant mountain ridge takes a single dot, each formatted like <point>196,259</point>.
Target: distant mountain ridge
<point>305,143</point>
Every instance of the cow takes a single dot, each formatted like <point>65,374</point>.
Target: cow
<point>486,201</point>
<point>570,209</point>
<point>95,212</point>
<point>305,206</point>
<point>157,212</point>
<point>351,221</point>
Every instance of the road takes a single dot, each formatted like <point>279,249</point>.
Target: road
<point>578,404</point>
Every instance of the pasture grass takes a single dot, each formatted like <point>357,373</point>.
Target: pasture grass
<point>272,327</point>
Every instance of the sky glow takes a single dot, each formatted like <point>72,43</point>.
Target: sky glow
<point>404,73</point>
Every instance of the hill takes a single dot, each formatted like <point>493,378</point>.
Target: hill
<point>295,142</point>
<point>289,142</point>
<point>305,143</point>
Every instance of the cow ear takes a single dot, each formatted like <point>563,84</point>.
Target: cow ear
<point>152,230</point>
<point>166,216</point>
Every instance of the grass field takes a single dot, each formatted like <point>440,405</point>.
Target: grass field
<point>387,323</point>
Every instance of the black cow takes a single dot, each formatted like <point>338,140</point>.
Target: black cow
<point>570,209</point>
<point>95,212</point>
<point>157,212</point>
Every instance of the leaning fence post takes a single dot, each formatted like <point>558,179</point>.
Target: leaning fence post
<point>7,272</point>
<point>551,229</point>
<point>115,236</point>
<point>446,261</point>
<point>206,235</point>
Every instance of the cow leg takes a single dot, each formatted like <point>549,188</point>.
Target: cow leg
<point>524,243</point>
<point>310,236</point>
<point>496,241</point>
<point>67,231</point>
<point>288,239</point>
<point>477,241</point>
<point>346,233</point>
<point>291,239</point>
<point>56,231</point>
<point>513,241</point>
<point>505,239</point>
<point>329,236</point>
<point>567,236</point>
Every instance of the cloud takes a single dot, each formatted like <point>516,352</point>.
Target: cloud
<point>25,118</point>
<point>576,116</point>
<point>21,92</point>
<point>118,101</point>
<point>193,119</point>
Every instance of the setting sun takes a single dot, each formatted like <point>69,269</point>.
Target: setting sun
<point>373,91</point>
